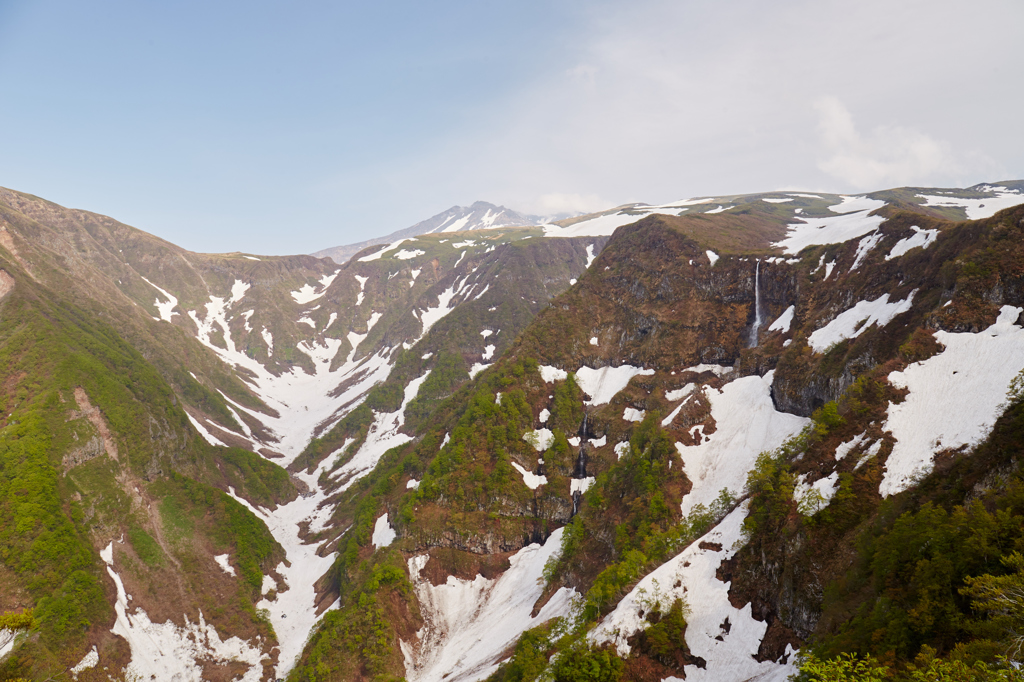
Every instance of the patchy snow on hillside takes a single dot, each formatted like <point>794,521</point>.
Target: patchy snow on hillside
<point>976,209</point>
<point>8,638</point>
<point>864,247</point>
<point>165,309</point>
<point>552,374</point>
<point>783,322</point>
<point>204,432</point>
<point>853,322</point>
<point>631,414</point>
<point>602,384</point>
<point>954,397</point>
<point>541,439</point>
<point>747,425</point>
<point>293,611</point>
<point>853,221</point>
<point>532,480</point>
<point>377,254</point>
<point>225,565</point>
<point>729,649</point>
<point>383,435</point>
<point>590,256</point>
<point>309,293</point>
<point>165,651</point>
<point>406,254</point>
<point>469,624</point>
<point>712,256</point>
<point>580,485</point>
<point>383,533</point>
<point>922,238</point>
<point>826,487</point>
<point>598,226</point>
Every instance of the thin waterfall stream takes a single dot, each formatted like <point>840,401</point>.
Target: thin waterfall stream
<point>758,320</point>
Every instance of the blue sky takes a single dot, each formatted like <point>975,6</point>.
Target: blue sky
<point>290,127</point>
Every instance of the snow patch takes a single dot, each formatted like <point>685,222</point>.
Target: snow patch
<point>633,415</point>
<point>864,247</point>
<point>543,417</point>
<point>712,256</point>
<point>603,384</point>
<point>225,565</point>
<point>691,576</point>
<point>955,397</point>
<point>922,238</point>
<point>580,485</point>
<point>747,424</point>
<point>551,374</point>
<point>852,222</point>
<point>309,293</point>
<point>532,480</point>
<point>853,322</point>
<point>784,321</point>
<point>165,309</point>
<point>383,533</point>
<point>468,624</point>
<point>976,209</point>
<point>541,439</point>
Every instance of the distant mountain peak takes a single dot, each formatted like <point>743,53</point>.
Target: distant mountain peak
<point>480,215</point>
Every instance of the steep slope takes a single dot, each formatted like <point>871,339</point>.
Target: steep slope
<point>663,375</point>
<point>263,354</point>
<point>478,216</point>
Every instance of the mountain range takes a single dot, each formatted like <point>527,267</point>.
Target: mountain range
<point>699,440</point>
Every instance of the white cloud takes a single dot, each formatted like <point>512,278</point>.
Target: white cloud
<point>884,157</point>
<point>554,203</point>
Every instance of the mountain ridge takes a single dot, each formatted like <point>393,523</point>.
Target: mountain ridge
<point>605,437</point>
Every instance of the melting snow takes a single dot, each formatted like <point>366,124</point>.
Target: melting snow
<point>541,439</point>
<point>599,442</point>
<point>88,661</point>
<point>864,248</point>
<point>633,415</point>
<point>580,485</point>
<point>852,222</point>
<point>407,254</point>
<point>955,397</point>
<point>826,487</point>
<point>469,624</point>
<point>389,247</point>
<point>828,269</point>
<point>532,480</point>
<point>712,256</point>
<point>165,309</point>
<point>222,561</point>
<point>544,414</point>
<point>599,226</point>
<point>852,323</point>
<point>488,352</point>
<point>922,238</point>
<point>362,287</point>
<point>784,321</point>
<point>747,424</point>
<point>691,575</point>
<point>479,367</point>
<point>621,448</point>
<point>843,449</point>
<point>165,651</point>
<point>977,209</point>
<point>204,432</point>
<point>602,384</point>
<point>551,374</point>
<point>590,256</point>
<point>383,533</point>
<point>593,340</point>
<point>309,293</point>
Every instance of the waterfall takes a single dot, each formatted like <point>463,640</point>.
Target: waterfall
<point>757,305</point>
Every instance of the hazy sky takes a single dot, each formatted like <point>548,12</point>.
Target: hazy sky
<point>290,127</point>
